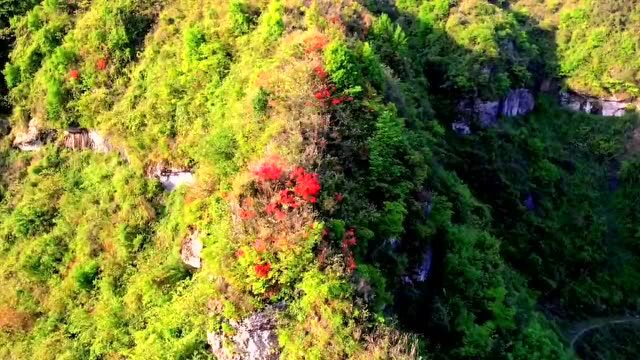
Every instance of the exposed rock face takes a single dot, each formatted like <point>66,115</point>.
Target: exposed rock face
<point>422,273</point>
<point>191,250</point>
<point>486,113</point>
<point>33,139</point>
<point>171,178</point>
<point>461,128</point>
<point>81,139</point>
<point>256,338</point>
<point>590,105</point>
<point>518,102</point>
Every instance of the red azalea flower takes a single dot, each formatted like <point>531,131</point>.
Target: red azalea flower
<point>260,245</point>
<point>101,64</point>
<point>286,199</point>
<point>339,197</point>
<point>262,270</point>
<point>351,263</point>
<point>268,172</point>
<point>247,214</point>
<point>280,215</point>
<point>307,185</point>
<point>272,208</point>
<point>320,72</point>
<point>74,74</point>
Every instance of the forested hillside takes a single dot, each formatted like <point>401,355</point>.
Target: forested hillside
<point>319,179</point>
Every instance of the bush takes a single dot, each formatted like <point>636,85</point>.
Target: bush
<point>240,17</point>
<point>85,275</point>
<point>340,62</point>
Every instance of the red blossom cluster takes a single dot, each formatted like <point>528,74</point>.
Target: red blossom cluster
<point>326,93</point>
<point>307,185</point>
<point>260,245</point>
<point>268,171</point>
<point>348,241</point>
<point>315,44</point>
<point>321,72</point>
<point>247,214</point>
<point>339,197</point>
<point>302,186</point>
<point>101,64</point>
<point>74,74</point>
<point>262,270</point>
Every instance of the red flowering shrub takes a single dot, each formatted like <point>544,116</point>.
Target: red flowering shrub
<point>315,44</point>
<point>268,171</point>
<point>307,185</point>
<point>260,245</point>
<point>323,94</point>
<point>320,72</point>
<point>287,199</point>
<point>247,214</point>
<point>339,197</point>
<point>101,64</point>
<point>351,263</point>
<point>262,270</point>
<point>348,241</point>
<point>74,74</point>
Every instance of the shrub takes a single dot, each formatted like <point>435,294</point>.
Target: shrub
<point>85,275</point>
<point>12,75</point>
<point>241,19</point>
<point>340,62</point>
<point>261,102</point>
<point>273,21</point>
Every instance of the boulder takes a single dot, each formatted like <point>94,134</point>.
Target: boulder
<point>461,128</point>
<point>83,139</point>
<point>614,108</point>
<point>518,102</point>
<point>100,144</point>
<point>487,112</point>
<point>255,338</point>
<point>191,250</point>
<point>590,105</point>
<point>171,178</point>
<point>33,139</point>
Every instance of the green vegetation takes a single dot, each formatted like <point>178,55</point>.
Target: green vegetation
<point>328,182</point>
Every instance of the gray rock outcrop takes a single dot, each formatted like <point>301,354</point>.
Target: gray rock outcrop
<point>191,250</point>
<point>590,105</point>
<point>83,139</point>
<point>171,178</point>
<point>518,102</point>
<point>34,138</point>
<point>255,338</point>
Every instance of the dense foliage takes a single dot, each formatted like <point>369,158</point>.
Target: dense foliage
<point>328,181</point>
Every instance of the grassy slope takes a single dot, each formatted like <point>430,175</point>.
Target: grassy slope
<point>91,248</point>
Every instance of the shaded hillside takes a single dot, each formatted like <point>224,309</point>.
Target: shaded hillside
<point>328,209</point>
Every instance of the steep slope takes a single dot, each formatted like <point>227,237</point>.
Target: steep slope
<point>328,211</point>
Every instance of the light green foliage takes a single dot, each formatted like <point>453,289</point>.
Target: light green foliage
<point>340,62</point>
<point>465,241</point>
<point>597,47</point>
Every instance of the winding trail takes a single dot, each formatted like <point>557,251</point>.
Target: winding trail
<point>578,330</point>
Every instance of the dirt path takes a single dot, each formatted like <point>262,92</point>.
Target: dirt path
<point>576,331</point>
